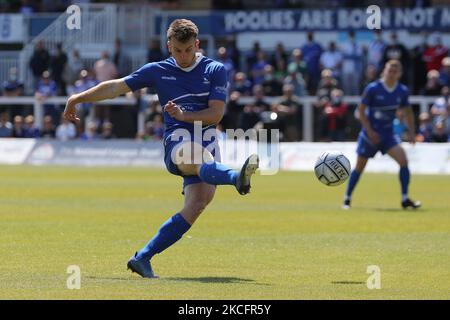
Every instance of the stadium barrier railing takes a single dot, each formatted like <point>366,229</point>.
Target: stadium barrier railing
<point>307,102</point>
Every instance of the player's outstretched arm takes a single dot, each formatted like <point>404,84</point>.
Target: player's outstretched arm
<point>104,90</point>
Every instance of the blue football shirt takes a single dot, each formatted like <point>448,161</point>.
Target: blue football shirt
<point>190,88</point>
<point>382,104</point>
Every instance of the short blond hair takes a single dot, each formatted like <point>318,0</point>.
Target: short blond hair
<point>182,30</point>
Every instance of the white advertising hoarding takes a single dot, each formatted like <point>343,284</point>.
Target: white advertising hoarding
<point>11,28</point>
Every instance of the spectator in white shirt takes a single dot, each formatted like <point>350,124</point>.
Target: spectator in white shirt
<point>332,59</point>
<point>352,65</point>
<point>376,50</point>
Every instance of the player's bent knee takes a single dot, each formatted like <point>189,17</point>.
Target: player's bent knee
<point>188,169</point>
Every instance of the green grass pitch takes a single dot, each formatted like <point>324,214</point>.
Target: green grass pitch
<point>288,239</point>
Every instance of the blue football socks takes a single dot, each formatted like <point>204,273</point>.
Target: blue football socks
<point>354,177</point>
<point>170,232</point>
<point>217,173</point>
<point>404,181</point>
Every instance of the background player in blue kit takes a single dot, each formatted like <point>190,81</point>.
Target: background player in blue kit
<point>192,88</point>
<point>377,110</point>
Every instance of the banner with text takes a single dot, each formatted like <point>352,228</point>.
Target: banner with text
<point>11,28</point>
<point>425,158</point>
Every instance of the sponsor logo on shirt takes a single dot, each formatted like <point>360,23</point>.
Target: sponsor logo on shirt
<point>168,78</point>
<point>221,89</point>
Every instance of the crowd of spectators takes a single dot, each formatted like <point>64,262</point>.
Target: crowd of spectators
<point>275,80</point>
<point>329,74</point>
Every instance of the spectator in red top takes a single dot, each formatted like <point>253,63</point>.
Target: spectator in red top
<point>335,111</point>
<point>435,53</point>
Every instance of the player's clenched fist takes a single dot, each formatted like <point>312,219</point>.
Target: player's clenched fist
<point>70,112</point>
<point>174,111</point>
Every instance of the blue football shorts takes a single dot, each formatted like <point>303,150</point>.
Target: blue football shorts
<point>367,149</point>
<point>171,145</point>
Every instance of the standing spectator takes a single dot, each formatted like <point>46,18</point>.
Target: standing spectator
<point>154,53</point>
<point>298,63</point>
<point>222,57</point>
<point>289,114</point>
<point>432,87</point>
<point>121,60</point>
<point>233,111</point>
<point>251,114</point>
<point>105,70</point>
<point>434,53</point>
<point>397,51</point>
<point>30,129</point>
<point>376,50</point>
<point>6,127</point>
<point>252,56</point>
<point>326,85</point>
<point>258,68</point>
<point>241,84</point>
<point>271,85</point>
<point>13,88</point>
<point>57,65</point>
<point>335,112</point>
<point>66,130</point>
<point>73,68</point>
<point>332,59</point>
<point>370,75</point>
<point>48,129</point>
<point>419,68</point>
<point>280,70</point>
<point>18,130</point>
<point>352,65</point>
<point>311,52</point>
<point>47,88</point>
<point>295,78</point>
<point>444,75</point>
<point>85,81</point>
<point>39,62</point>
<point>279,59</point>
<point>233,52</point>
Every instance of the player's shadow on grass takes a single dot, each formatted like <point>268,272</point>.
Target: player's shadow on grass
<point>198,279</point>
<point>113,278</point>
<point>216,280</point>
<point>347,282</point>
<point>421,210</point>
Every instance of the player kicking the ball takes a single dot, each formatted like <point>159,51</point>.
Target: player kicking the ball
<point>192,88</point>
<point>377,110</point>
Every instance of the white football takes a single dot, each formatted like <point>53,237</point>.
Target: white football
<point>332,168</point>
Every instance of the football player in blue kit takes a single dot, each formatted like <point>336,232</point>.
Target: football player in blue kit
<point>377,110</point>
<point>192,88</point>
